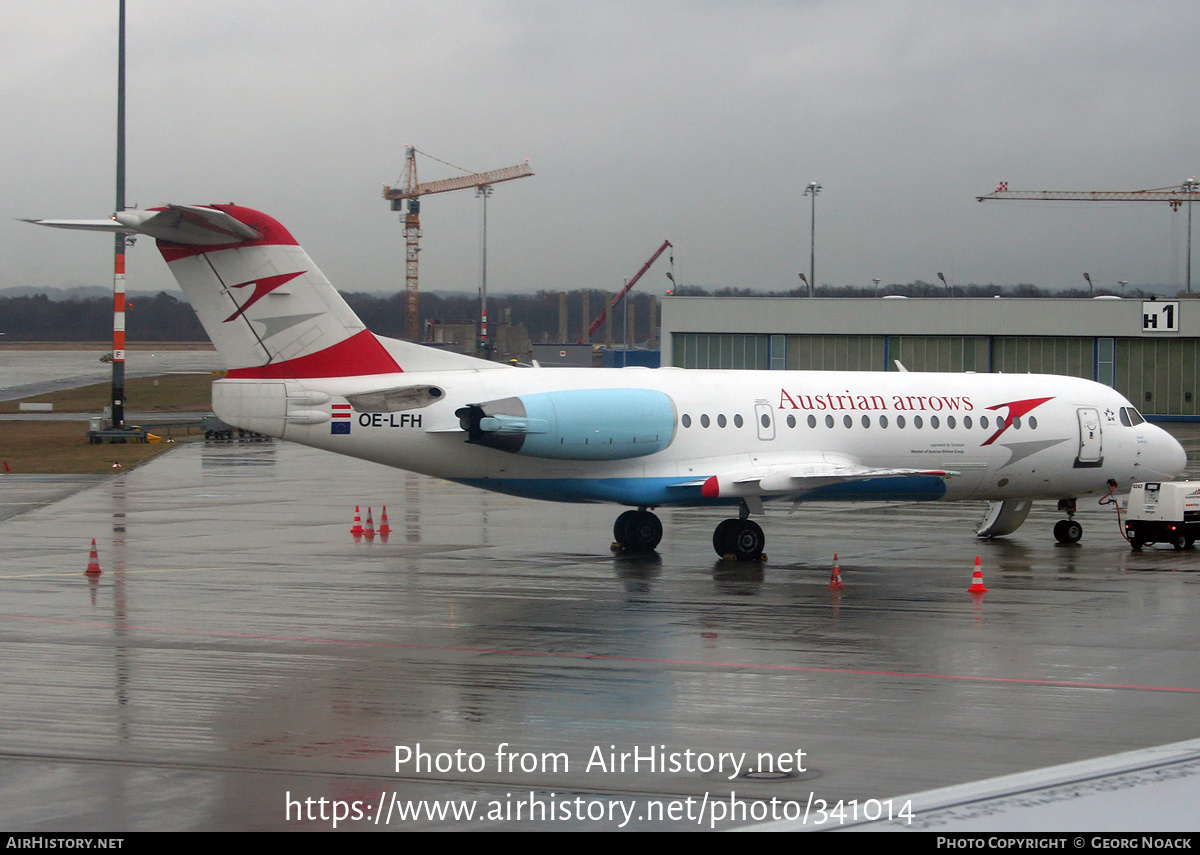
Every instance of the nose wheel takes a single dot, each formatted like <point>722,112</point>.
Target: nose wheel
<point>1068,530</point>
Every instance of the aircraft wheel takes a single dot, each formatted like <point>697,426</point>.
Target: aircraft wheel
<point>748,540</point>
<point>643,531</point>
<point>637,531</point>
<point>721,537</point>
<point>1068,531</point>
<point>621,526</point>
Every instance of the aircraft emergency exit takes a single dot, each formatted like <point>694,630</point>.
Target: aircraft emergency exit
<point>303,367</point>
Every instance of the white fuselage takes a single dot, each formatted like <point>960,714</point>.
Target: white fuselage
<point>995,436</point>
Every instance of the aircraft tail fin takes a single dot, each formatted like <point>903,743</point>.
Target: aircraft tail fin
<point>268,309</point>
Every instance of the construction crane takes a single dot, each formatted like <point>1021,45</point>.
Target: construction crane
<point>628,286</point>
<point>413,191</point>
<point>1188,191</point>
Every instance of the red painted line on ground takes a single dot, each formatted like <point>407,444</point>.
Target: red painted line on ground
<point>598,657</point>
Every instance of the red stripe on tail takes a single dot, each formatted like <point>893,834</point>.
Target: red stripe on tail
<point>270,229</point>
<point>360,354</point>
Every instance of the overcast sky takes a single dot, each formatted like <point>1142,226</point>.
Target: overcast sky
<point>700,122</point>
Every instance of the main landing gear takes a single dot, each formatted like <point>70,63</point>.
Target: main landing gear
<point>742,538</point>
<point>637,531</point>
<point>1068,530</point>
<point>641,531</point>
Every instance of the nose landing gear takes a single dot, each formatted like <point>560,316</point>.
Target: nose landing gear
<point>1068,530</point>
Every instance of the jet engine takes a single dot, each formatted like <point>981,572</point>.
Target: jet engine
<point>581,424</point>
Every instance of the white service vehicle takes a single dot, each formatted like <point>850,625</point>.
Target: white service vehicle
<point>1161,512</point>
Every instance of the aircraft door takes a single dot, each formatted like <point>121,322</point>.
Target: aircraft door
<point>764,416</point>
<point>1091,445</point>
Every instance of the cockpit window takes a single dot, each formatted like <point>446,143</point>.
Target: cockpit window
<point>1131,417</point>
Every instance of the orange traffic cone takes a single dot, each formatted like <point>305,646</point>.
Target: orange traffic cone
<point>384,528</point>
<point>977,579</point>
<point>93,568</point>
<point>369,531</point>
<point>835,579</point>
<point>357,528</point>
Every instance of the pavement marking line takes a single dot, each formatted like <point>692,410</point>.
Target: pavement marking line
<point>802,669</point>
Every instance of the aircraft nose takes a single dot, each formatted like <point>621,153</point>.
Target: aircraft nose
<point>1169,459</point>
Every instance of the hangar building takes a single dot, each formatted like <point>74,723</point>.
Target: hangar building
<point>1146,349</point>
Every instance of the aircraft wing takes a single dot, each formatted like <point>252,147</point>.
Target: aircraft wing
<point>800,476</point>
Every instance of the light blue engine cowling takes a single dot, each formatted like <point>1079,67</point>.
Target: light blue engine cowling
<point>581,424</point>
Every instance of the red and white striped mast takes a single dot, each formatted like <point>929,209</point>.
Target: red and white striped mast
<point>118,351</point>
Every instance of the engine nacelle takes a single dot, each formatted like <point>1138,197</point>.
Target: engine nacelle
<point>581,424</point>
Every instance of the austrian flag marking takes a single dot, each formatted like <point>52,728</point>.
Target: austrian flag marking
<point>340,419</point>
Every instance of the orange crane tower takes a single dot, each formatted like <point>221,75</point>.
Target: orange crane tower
<point>413,191</point>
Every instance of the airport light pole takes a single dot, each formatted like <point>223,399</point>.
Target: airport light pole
<point>812,189</point>
<point>1089,282</point>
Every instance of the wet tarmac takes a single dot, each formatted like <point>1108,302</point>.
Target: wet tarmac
<point>242,657</point>
<point>26,373</point>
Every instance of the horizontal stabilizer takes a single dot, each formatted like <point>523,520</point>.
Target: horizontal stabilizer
<point>109,225</point>
<point>180,224</point>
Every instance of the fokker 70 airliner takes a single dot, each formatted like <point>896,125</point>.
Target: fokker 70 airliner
<point>304,368</point>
